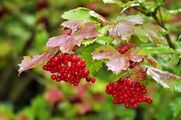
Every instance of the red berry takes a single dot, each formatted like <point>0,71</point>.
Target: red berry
<point>68,68</point>
<point>135,105</point>
<point>126,91</point>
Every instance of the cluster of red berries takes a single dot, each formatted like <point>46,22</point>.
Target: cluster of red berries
<point>68,68</point>
<point>127,92</point>
<point>125,47</point>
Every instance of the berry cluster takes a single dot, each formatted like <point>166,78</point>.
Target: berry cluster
<point>127,92</point>
<point>125,47</point>
<point>68,68</point>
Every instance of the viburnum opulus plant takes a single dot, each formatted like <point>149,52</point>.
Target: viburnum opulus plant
<point>89,40</point>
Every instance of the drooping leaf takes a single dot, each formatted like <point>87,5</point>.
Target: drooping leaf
<point>29,62</point>
<point>164,78</point>
<point>117,62</point>
<point>122,30</point>
<point>156,50</point>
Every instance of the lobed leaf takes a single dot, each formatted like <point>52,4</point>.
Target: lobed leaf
<point>66,43</point>
<point>117,62</point>
<point>122,30</point>
<point>29,62</point>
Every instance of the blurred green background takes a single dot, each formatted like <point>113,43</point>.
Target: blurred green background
<point>25,26</point>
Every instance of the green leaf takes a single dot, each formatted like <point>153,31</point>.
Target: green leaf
<point>93,66</point>
<point>88,41</point>
<point>104,30</point>
<point>141,34</point>
<point>104,40</point>
<point>81,13</point>
<point>156,50</point>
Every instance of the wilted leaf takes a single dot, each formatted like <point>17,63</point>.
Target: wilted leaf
<point>156,50</point>
<point>66,43</point>
<point>122,30</point>
<point>29,62</point>
<point>164,78</point>
<point>117,62</point>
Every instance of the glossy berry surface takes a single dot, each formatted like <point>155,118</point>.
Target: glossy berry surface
<point>126,91</point>
<point>68,68</point>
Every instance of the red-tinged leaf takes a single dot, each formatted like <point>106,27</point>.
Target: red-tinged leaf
<point>122,30</point>
<point>116,63</point>
<point>88,30</point>
<point>164,78</point>
<point>29,62</point>
<point>73,25</point>
<point>66,43</point>
<point>132,55</point>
